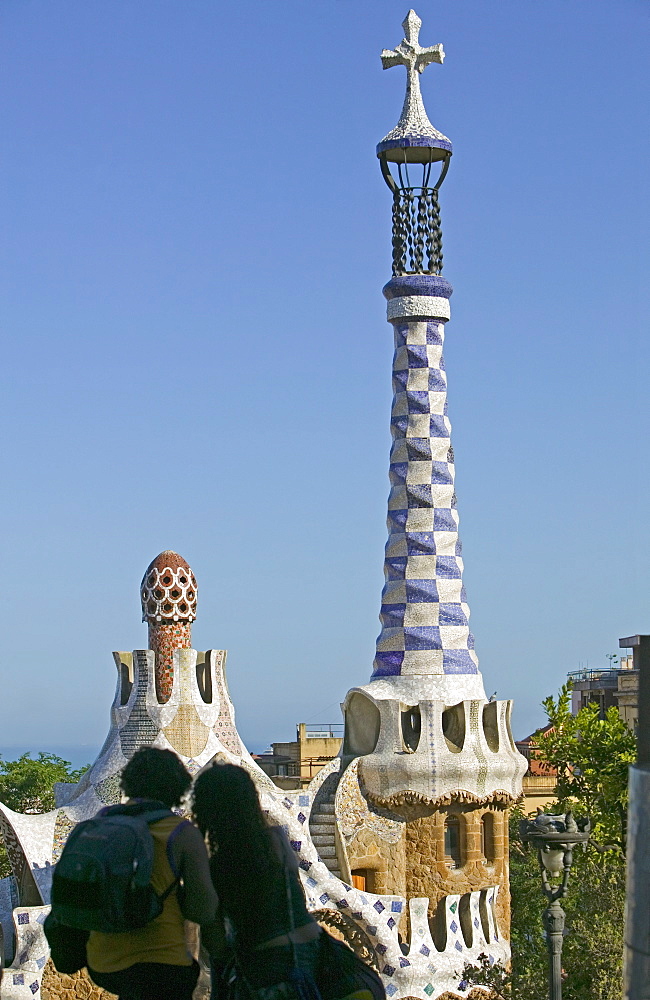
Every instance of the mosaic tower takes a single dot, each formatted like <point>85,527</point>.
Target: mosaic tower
<point>168,594</point>
<point>424,613</point>
<point>430,751</point>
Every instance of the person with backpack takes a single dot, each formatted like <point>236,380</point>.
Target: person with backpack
<point>132,876</point>
<point>274,949</point>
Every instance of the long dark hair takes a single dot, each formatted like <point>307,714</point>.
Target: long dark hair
<point>227,811</point>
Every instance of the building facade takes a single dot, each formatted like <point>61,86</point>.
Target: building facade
<point>611,687</point>
<point>538,785</point>
<point>296,763</point>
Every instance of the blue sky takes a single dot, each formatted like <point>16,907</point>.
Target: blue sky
<point>195,235</point>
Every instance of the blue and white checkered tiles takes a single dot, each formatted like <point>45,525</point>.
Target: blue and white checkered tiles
<point>424,613</point>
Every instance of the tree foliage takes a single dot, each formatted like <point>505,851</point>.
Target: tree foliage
<point>27,786</point>
<point>593,947</point>
<point>591,757</point>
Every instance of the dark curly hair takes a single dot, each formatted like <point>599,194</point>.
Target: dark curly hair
<point>155,774</point>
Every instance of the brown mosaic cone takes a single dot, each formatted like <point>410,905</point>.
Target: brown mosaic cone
<point>168,593</point>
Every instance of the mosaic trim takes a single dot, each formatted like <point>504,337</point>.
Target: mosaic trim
<point>475,713</point>
<point>407,798</point>
<point>108,790</point>
<point>62,830</point>
<point>13,847</point>
<point>354,812</point>
<point>186,733</point>
<point>139,729</point>
<point>225,728</point>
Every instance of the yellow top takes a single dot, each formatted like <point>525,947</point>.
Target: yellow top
<point>162,940</point>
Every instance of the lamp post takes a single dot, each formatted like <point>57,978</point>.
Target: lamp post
<point>554,836</point>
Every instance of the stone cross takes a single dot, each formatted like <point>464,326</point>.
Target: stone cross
<point>410,53</point>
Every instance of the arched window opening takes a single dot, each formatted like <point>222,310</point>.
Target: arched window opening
<point>125,668</point>
<point>491,725</point>
<point>453,727</point>
<point>204,677</point>
<point>483,911</point>
<point>453,855</point>
<point>487,836</point>
<point>362,723</point>
<point>438,925</point>
<point>411,727</point>
<point>465,919</point>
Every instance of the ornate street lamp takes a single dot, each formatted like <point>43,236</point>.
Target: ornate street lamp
<point>555,836</point>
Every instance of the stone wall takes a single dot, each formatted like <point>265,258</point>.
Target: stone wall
<point>386,861</point>
<point>56,986</point>
<point>415,865</point>
<point>428,872</point>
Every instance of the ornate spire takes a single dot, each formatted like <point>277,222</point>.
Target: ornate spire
<point>414,131</point>
<point>168,595</point>
<point>414,143</point>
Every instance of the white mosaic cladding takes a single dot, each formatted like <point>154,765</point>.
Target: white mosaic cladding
<point>434,769</point>
<point>418,306</point>
<point>22,978</point>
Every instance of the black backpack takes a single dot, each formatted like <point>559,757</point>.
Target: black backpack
<point>102,881</point>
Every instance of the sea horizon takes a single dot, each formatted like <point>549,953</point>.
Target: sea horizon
<point>77,754</point>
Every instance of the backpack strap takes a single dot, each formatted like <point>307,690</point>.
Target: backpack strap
<point>171,859</point>
<point>170,843</point>
<point>170,888</point>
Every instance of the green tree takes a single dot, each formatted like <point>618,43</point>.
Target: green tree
<point>593,946</point>
<point>591,757</point>
<point>27,785</point>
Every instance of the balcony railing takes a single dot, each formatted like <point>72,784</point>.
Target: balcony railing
<point>593,675</point>
<point>324,731</point>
